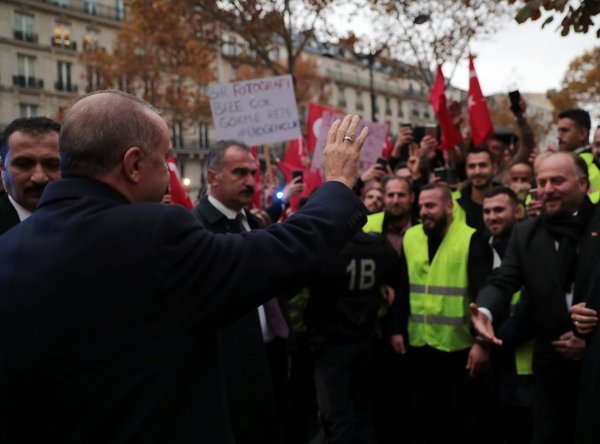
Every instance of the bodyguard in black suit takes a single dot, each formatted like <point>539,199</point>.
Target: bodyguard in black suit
<point>110,304</point>
<point>28,162</point>
<point>249,380</point>
<point>553,258</point>
<point>8,215</point>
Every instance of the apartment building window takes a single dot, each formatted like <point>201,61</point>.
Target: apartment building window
<point>229,46</point>
<point>274,54</point>
<point>64,76</point>
<point>24,27</point>
<point>203,135</point>
<point>62,36</point>
<point>341,97</point>
<point>90,39</point>
<point>360,106</point>
<point>63,3</point>
<point>415,112</point>
<point>93,79</point>
<point>388,106</point>
<point>28,110</point>
<point>120,9</point>
<point>26,65</point>
<point>400,110</point>
<point>177,139</point>
<point>90,6</point>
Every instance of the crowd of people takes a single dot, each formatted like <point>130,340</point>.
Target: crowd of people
<point>457,303</point>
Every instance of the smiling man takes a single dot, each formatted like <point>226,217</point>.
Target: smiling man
<point>552,257</point>
<point>480,169</point>
<point>446,261</point>
<point>29,161</point>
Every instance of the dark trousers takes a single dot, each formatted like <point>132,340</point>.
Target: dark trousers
<point>553,417</point>
<point>445,399</point>
<point>343,380</point>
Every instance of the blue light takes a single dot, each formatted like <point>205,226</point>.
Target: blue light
<point>279,195</point>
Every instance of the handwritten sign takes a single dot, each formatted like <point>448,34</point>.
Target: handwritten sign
<point>370,151</point>
<point>257,112</point>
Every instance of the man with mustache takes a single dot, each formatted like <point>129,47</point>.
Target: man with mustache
<point>446,262</point>
<point>254,346</point>
<point>29,160</point>
<point>480,169</point>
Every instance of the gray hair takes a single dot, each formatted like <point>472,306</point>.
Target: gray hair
<point>216,153</point>
<point>95,134</point>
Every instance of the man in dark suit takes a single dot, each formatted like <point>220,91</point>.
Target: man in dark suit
<point>249,377</point>
<point>113,336</point>
<point>552,257</point>
<point>28,162</point>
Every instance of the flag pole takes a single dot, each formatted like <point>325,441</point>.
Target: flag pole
<point>267,153</point>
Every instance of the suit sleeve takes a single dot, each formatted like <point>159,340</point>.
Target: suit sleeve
<point>480,264</point>
<point>208,281</point>
<point>504,281</point>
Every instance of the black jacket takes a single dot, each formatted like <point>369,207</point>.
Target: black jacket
<point>109,311</point>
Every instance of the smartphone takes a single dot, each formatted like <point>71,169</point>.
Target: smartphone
<point>298,173</point>
<point>383,162</point>
<point>515,101</point>
<point>442,173</point>
<point>431,130</point>
<point>533,193</point>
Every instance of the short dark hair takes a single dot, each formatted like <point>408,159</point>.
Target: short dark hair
<point>33,126</point>
<point>501,189</point>
<point>579,116</point>
<point>94,137</point>
<point>479,150</point>
<point>216,153</point>
<point>387,179</point>
<point>445,189</point>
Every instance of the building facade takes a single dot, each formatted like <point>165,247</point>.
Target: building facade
<point>42,71</point>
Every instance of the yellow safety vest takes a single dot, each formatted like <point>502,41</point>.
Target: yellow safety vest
<point>438,291</point>
<point>374,223</point>
<point>458,213</point>
<point>523,353</point>
<point>593,177</point>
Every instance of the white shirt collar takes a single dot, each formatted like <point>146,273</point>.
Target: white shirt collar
<point>22,212</point>
<point>228,212</point>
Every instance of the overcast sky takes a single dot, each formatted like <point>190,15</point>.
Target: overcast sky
<point>524,57</point>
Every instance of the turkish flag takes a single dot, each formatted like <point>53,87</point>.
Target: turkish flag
<point>479,114</point>
<point>295,152</point>
<point>450,135</point>
<point>313,123</point>
<point>257,198</point>
<point>388,146</point>
<point>178,194</point>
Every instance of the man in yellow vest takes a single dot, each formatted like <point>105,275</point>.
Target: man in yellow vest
<point>514,361</point>
<point>574,126</point>
<point>396,216</point>
<point>445,261</point>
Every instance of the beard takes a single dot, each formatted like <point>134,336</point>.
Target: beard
<point>438,228</point>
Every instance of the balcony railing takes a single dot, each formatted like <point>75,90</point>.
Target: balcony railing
<point>25,36</point>
<point>59,42</point>
<point>28,82</point>
<point>65,87</point>
<point>90,8</point>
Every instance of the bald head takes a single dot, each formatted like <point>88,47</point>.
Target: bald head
<point>100,127</point>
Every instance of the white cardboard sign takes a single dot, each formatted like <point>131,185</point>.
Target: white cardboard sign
<point>257,112</point>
